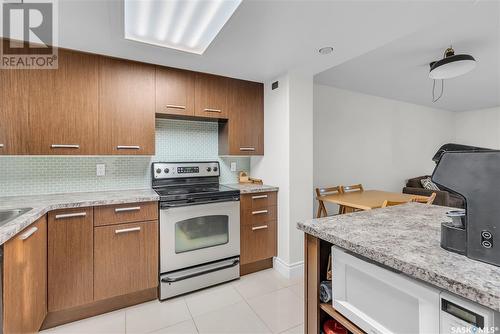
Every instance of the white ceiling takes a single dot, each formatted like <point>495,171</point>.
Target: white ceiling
<point>399,70</point>
<point>264,38</point>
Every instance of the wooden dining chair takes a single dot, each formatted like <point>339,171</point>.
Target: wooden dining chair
<point>425,199</point>
<point>352,188</point>
<point>393,203</point>
<point>324,192</point>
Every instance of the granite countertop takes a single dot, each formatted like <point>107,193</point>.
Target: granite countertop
<point>248,188</point>
<point>42,204</point>
<point>407,238</point>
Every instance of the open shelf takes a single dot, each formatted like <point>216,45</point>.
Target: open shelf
<point>328,308</point>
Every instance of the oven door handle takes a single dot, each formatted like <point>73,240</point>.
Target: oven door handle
<point>174,205</point>
<point>199,273</point>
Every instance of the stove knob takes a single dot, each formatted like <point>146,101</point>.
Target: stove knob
<point>158,170</point>
<point>166,170</point>
<point>209,169</point>
<point>215,169</point>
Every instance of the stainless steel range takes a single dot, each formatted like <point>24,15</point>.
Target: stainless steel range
<point>199,227</point>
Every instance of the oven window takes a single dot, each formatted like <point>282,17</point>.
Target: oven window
<point>201,232</point>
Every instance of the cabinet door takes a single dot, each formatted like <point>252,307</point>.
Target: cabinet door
<point>126,259</point>
<point>63,106</point>
<point>13,111</point>
<point>258,242</point>
<point>126,107</point>
<point>70,258</point>
<point>174,92</point>
<point>211,96</point>
<point>25,280</point>
<point>243,134</point>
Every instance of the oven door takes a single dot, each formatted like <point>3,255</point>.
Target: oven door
<point>197,234</point>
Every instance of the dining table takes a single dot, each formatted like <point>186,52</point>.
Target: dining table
<point>366,199</point>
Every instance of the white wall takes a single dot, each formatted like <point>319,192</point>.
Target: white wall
<point>478,128</point>
<point>375,141</point>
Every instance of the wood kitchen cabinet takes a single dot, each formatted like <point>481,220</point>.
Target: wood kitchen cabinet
<point>258,231</point>
<point>25,280</point>
<point>126,259</point>
<point>70,258</point>
<point>243,133</point>
<point>63,106</point>
<point>210,96</point>
<point>126,107</point>
<point>174,91</point>
<point>13,111</point>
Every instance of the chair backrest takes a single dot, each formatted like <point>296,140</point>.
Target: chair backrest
<point>324,192</point>
<point>392,203</point>
<point>425,199</point>
<point>353,187</point>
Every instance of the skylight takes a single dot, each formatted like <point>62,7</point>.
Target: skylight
<point>187,25</point>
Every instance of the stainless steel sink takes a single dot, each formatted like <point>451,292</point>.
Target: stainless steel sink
<point>8,215</point>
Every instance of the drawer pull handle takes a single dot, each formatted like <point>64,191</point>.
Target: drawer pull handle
<point>28,233</point>
<point>125,147</point>
<point>212,110</point>
<point>173,106</point>
<point>1,146</point>
<point>71,215</point>
<point>262,227</point>
<point>128,230</point>
<point>259,212</point>
<point>133,208</point>
<point>259,196</point>
<point>247,148</point>
<point>64,146</point>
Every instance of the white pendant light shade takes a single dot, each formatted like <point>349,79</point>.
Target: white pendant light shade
<point>186,25</point>
<point>451,67</point>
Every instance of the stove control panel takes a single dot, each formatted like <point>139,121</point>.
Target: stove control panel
<point>171,170</point>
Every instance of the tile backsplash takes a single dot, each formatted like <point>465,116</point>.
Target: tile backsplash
<point>176,140</point>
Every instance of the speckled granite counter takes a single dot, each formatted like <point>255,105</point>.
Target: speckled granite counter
<point>248,188</point>
<point>407,238</point>
<point>42,204</point>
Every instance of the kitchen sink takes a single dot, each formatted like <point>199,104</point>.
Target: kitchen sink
<point>8,215</point>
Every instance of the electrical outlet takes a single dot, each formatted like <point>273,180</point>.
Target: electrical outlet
<point>233,166</point>
<point>100,169</point>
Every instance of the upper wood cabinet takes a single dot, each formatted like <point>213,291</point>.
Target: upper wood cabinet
<point>126,107</point>
<point>243,133</point>
<point>64,105</point>
<point>70,258</point>
<point>13,111</point>
<point>174,91</point>
<point>210,96</point>
<point>25,280</point>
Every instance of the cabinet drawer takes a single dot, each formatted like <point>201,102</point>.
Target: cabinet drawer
<point>125,213</point>
<point>258,216</point>
<point>258,242</point>
<point>126,259</point>
<point>258,201</point>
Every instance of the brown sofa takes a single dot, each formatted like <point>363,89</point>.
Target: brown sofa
<point>443,198</point>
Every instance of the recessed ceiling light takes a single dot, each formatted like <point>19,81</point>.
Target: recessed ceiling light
<point>187,25</point>
<point>326,50</point>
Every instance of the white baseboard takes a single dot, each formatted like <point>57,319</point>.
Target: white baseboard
<point>293,270</point>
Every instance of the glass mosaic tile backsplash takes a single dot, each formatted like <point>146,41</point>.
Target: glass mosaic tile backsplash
<point>176,140</point>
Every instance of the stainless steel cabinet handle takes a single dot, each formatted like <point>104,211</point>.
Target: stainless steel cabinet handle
<point>64,146</point>
<point>247,148</point>
<point>28,233</point>
<point>71,215</point>
<point>127,230</point>
<point>1,145</point>
<point>173,106</point>
<point>259,212</point>
<point>212,110</point>
<point>259,196</point>
<point>262,227</point>
<point>124,147</point>
<point>133,208</point>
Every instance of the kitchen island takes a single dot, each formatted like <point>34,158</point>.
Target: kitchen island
<point>404,238</point>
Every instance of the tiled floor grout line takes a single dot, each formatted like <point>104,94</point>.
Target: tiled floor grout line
<point>192,317</point>
<point>254,312</point>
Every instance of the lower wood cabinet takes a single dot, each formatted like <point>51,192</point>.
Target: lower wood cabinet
<point>70,258</point>
<point>25,280</point>
<point>258,242</point>
<point>126,258</point>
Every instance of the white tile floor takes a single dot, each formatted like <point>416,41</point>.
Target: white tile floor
<point>263,302</point>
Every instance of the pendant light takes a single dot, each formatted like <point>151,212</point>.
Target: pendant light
<point>451,65</point>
